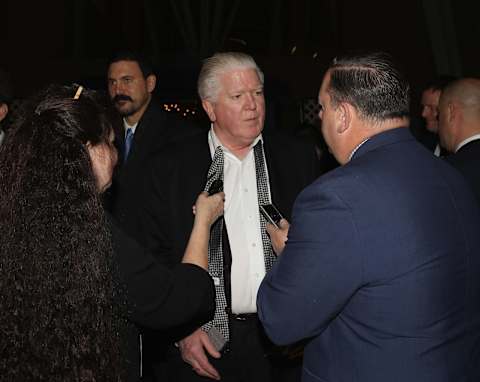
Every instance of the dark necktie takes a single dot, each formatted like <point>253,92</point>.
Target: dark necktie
<point>128,143</point>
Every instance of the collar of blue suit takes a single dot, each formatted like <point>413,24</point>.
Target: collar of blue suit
<point>384,138</point>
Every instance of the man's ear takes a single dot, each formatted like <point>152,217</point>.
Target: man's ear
<point>452,112</point>
<point>3,111</point>
<point>151,82</point>
<point>209,109</point>
<point>344,117</point>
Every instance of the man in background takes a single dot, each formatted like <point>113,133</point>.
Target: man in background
<point>147,129</point>
<point>380,270</point>
<point>429,101</point>
<point>459,128</point>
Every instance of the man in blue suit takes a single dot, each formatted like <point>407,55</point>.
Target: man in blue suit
<point>381,271</point>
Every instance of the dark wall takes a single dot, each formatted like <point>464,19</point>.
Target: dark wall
<point>59,40</point>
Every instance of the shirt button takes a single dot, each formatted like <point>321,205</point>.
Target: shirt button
<point>245,189</point>
<point>254,244</point>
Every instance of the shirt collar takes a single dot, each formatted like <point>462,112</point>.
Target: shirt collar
<point>127,126</point>
<point>214,142</point>
<point>356,148</point>
<point>468,140</point>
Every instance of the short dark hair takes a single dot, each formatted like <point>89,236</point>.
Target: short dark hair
<point>130,55</point>
<point>372,84</point>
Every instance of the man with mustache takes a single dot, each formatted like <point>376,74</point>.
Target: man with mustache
<point>146,127</point>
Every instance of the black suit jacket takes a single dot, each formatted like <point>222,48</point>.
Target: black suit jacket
<point>156,297</point>
<point>161,218</point>
<point>155,131</point>
<point>467,161</point>
<point>165,219</point>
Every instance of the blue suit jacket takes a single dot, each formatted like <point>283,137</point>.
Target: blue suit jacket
<point>381,270</point>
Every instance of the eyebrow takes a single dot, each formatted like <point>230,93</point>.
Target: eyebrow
<point>120,78</point>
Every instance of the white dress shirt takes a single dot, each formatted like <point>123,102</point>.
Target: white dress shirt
<point>127,126</point>
<point>242,219</point>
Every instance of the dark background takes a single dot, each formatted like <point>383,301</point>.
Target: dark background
<point>292,40</point>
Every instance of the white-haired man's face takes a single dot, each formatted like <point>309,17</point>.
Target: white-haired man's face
<point>238,113</point>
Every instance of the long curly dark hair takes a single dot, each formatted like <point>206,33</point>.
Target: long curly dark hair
<point>58,318</point>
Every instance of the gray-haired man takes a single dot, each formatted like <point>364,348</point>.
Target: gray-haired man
<point>255,169</point>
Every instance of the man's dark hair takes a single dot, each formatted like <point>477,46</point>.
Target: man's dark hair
<point>440,82</point>
<point>372,84</point>
<point>130,55</point>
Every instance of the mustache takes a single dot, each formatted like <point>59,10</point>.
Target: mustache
<point>121,97</point>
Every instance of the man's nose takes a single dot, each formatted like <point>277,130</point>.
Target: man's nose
<point>117,88</point>
<point>120,88</point>
<point>425,112</point>
<point>251,102</point>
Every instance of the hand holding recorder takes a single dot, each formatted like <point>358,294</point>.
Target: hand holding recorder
<point>277,227</point>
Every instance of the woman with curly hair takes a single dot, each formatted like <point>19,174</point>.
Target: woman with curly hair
<point>64,293</point>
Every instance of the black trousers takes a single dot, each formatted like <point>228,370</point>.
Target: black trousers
<point>246,360</point>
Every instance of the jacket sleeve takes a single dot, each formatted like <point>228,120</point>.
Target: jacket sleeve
<point>318,271</point>
<point>157,297</point>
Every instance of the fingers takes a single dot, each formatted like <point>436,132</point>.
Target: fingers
<point>218,204</point>
<point>278,235</point>
<point>219,195</point>
<point>210,348</point>
<point>193,352</point>
<point>202,367</point>
<point>271,229</point>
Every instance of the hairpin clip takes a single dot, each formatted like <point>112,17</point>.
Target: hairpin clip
<point>78,93</point>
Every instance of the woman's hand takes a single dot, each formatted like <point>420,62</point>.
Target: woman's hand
<point>208,209</point>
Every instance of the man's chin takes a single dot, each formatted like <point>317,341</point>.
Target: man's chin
<point>124,111</point>
<point>432,127</point>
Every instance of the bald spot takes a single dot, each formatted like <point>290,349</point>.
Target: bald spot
<point>466,93</point>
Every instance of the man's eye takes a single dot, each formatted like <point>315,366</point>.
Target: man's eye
<point>259,92</point>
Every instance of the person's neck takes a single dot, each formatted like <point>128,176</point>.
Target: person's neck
<point>467,132</point>
<point>240,150</point>
<point>367,130</point>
